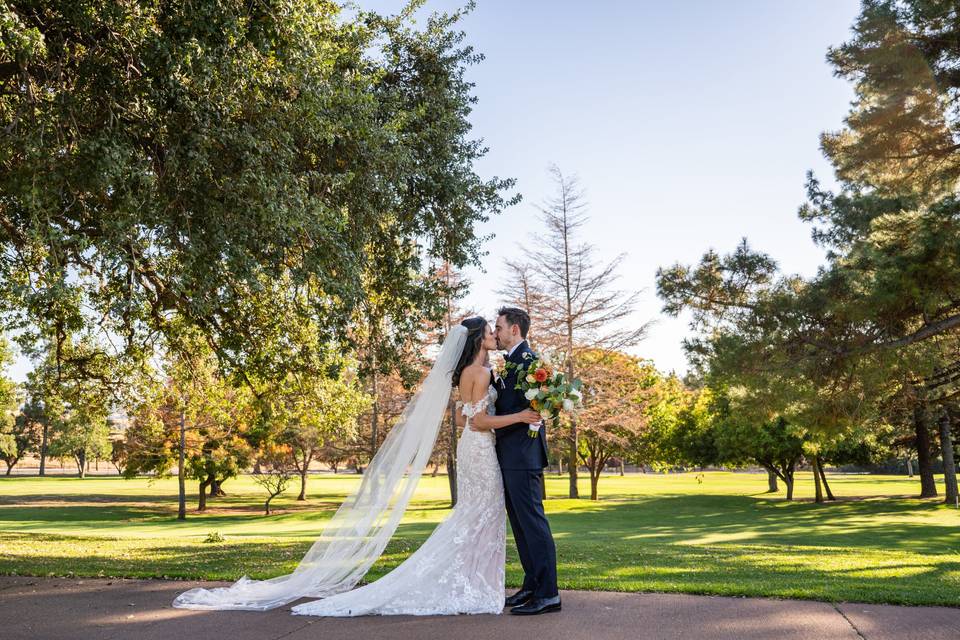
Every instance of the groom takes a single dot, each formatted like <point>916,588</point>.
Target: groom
<point>522,460</point>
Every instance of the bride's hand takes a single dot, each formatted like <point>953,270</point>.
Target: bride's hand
<point>529,416</point>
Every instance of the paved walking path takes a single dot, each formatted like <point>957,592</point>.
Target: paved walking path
<point>102,609</point>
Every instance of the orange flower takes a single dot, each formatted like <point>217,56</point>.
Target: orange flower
<point>540,375</point>
<point>534,405</point>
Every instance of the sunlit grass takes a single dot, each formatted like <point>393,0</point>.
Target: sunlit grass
<point>719,534</point>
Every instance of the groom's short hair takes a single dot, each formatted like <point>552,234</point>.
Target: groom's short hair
<point>518,317</point>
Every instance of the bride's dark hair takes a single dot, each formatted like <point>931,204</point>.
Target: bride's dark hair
<point>475,327</point>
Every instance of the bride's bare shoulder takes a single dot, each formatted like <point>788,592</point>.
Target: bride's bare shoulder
<point>473,379</point>
<point>474,373</point>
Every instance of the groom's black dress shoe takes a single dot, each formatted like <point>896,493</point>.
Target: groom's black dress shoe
<point>537,605</point>
<point>518,598</point>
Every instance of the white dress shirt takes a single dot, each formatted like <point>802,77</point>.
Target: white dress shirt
<point>514,348</point>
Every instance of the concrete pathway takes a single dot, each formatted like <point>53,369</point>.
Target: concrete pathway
<point>102,609</point>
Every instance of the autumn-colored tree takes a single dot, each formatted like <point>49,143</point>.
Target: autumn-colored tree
<point>277,469</point>
<point>616,395</point>
<point>190,418</point>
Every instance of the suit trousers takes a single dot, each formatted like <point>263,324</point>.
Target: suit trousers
<point>531,530</point>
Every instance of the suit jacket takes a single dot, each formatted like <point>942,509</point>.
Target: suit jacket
<point>515,449</point>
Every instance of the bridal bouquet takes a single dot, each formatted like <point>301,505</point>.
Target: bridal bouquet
<point>549,391</point>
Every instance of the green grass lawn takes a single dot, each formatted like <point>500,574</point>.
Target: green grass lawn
<point>647,533</point>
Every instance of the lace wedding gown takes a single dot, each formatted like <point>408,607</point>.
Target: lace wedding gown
<point>460,567</point>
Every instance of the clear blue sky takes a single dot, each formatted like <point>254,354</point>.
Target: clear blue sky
<point>690,124</point>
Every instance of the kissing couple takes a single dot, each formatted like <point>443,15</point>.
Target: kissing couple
<point>460,567</point>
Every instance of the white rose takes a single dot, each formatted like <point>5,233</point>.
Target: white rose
<point>531,394</point>
<point>568,404</point>
<point>576,392</point>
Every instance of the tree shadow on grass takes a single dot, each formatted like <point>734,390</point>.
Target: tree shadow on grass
<point>886,524</point>
<point>883,525</point>
<point>105,514</point>
<point>60,499</point>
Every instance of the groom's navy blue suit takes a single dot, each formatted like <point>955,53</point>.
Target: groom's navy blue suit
<point>522,460</point>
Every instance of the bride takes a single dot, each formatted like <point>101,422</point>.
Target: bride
<point>460,567</point>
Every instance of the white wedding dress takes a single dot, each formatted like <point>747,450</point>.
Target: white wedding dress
<point>460,567</point>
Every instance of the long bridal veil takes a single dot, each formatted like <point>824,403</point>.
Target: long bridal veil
<point>359,531</point>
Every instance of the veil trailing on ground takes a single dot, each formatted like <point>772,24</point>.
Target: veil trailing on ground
<point>359,531</point>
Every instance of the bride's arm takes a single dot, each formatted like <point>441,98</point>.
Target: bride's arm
<point>473,386</point>
<point>486,422</point>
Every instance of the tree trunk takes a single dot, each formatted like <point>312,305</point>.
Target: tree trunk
<point>928,487</point>
<point>622,473</point>
<point>594,481</point>
<point>772,482</point>
<point>181,475</point>
<point>81,458</point>
<point>543,487</point>
<point>572,470</point>
<point>216,487</point>
<point>818,497</point>
<point>202,502</point>
<point>43,448</point>
<point>823,477</point>
<point>909,466</point>
<point>786,474</point>
<point>202,499</point>
<point>572,462</point>
<point>949,465</point>
<point>303,480</point>
<point>560,465</point>
<point>375,408</point>
<point>452,453</point>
